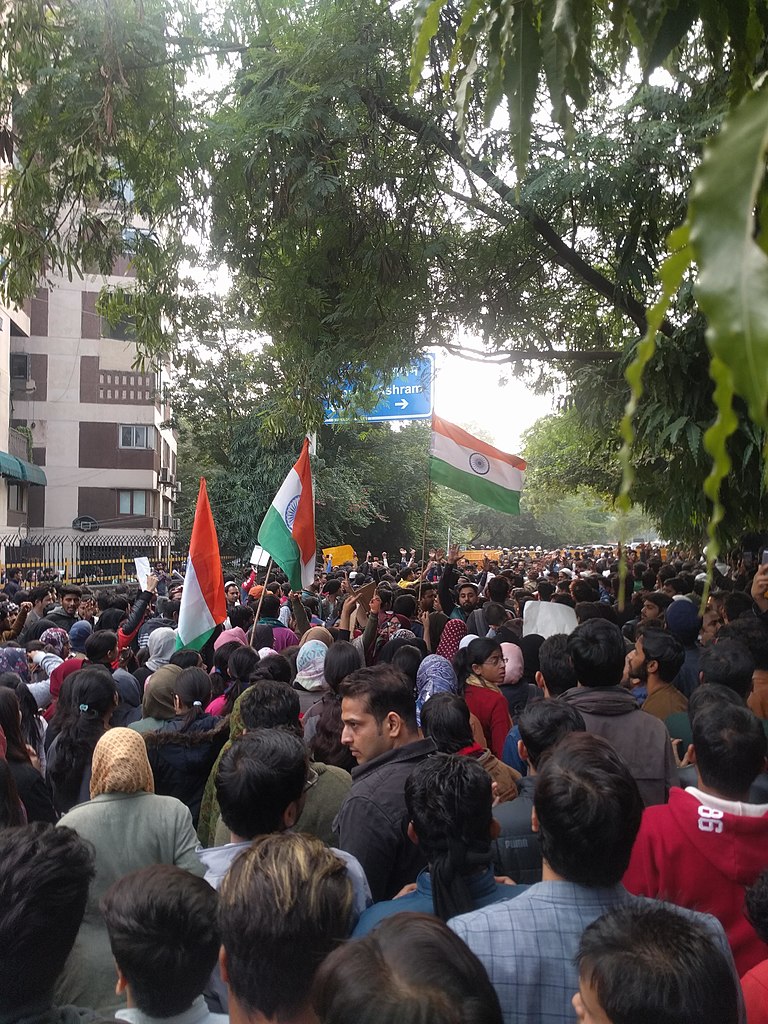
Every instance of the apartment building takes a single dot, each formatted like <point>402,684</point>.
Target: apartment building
<point>97,425</point>
<point>19,476</point>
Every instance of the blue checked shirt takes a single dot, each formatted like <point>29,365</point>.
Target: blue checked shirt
<point>528,945</point>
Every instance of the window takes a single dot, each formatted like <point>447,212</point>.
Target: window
<point>132,503</point>
<point>17,498</point>
<point>136,437</point>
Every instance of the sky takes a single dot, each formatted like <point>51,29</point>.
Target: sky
<point>468,392</point>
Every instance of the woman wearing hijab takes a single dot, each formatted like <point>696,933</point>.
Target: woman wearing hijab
<point>310,673</point>
<point>157,706</point>
<point>130,827</point>
<point>453,633</point>
<point>437,675</point>
<point>160,647</point>
<point>515,687</point>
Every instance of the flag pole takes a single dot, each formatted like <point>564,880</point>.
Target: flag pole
<point>261,599</point>
<point>424,544</point>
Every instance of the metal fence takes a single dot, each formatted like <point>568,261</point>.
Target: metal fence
<point>86,559</point>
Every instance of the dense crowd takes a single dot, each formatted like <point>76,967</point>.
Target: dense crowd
<point>466,790</point>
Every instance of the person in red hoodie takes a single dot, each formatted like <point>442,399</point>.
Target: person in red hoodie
<point>703,848</point>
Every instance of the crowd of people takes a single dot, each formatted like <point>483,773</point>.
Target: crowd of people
<point>522,789</point>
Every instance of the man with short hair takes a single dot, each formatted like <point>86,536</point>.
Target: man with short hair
<point>65,614</point>
<point>283,906</point>
<point>45,874</point>
<point>623,949</point>
<point>753,633</point>
<point>101,648</point>
<point>378,714</point>
<point>270,616</point>
<point>466,593</point>
<point>42,599</point>
<point>597,651</point>
<point>708,844</point>
<point>587,811</point>
<point>449,809</point>
<point>656,659</point>
<point>517,852</point>
<point>161,922</point>
<point>168,618</point>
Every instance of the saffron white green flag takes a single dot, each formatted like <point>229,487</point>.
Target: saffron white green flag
<point>469,465</point>
<point>288,530</point>
<point>203,605</point>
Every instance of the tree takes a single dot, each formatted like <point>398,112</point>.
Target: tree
<point>363,224</point>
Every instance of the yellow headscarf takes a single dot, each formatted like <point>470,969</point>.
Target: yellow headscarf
<point>120,764</point>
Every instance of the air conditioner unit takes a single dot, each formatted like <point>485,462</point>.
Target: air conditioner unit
<point>165,475</point>
<point>176,525</point>
<point>167,522</point>
<point>177,488</point>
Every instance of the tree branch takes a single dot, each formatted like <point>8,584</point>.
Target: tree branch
<point>510,355</point>
<point>562,253</point>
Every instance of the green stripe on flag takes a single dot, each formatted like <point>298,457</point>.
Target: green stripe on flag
<point>277,540</point>
<point>483,491</point>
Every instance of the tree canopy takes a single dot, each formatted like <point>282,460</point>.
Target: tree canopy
<point>347,164</point>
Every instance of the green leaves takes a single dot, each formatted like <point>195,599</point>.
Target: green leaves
<point>425,21</point>
<point>732,287</point>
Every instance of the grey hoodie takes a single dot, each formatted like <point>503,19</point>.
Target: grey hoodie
<point>641,739</point>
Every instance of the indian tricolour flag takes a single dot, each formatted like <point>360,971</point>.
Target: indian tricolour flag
<point>288,530</point>
<point>203,605</point>
<point>469,465</point>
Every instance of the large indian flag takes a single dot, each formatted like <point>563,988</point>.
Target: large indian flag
<point>203,605</point>
<point>288,530</point>
<point>467,464</point>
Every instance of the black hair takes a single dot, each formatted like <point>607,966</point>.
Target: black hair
<point>475,653</point>
<point>185,658</point>
<point>597,651</point>
<point>10,723</point>
<point>39,593</point>
<point>161,922</point>
<point>240,667</point>
<point>445,720</point>
<point>756,902</point>
<point>546,590</point>
<point>270,704</point>
<point>728,663</point>
<point>382,690</point>
<point>193,688</point>
<point>751,632</point>
<point>110,619</point>
<point>736,604</point>
<point>712,696</point>
<point>242,616</point>
<point>45,874</point>
<point>263,636</point>
<point>270,606</point>
<point>730,746</point>
<point>449,803</point>
<point>556,666</point>
<point>544,723</point>
<point>589,810</point>
<point>412,969</point>
<point>71,590</point>
<point>221,658</point>
<point>664,648</point>
<point>276,667</point>
<point>406,660</point>
<point>341,660</point>
<point>93,694</point>
<point>11,811</point>
<point>261,774</point>
<point>289,897</point>
<point>495,614</point>
<point>98,645</point>
<point>405,604</point>
<point>692,979</point>
<point>32,730</point>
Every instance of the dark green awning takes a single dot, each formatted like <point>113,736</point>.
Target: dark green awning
<point>19,469</point>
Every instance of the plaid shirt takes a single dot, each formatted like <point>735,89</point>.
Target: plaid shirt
<point>528,945</point>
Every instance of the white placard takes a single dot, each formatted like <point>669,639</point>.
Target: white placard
<point>142,571</point>
<point>259,556</point>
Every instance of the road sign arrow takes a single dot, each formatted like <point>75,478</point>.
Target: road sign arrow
<point>401,405</point>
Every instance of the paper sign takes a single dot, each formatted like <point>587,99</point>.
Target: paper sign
<point>259,556</point>
<point>339,555</point>
<point>142,571</point>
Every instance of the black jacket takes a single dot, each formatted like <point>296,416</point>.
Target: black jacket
<point>182,760</point>
<point>516,851</point>
<point>373,821</point>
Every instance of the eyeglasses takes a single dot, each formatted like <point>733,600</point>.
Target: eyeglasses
<point>312,778</point>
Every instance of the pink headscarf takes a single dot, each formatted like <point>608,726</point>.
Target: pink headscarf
<point>229,636</point>
<point>513,659</point>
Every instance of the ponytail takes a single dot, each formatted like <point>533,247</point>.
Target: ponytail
<point>193,688</point>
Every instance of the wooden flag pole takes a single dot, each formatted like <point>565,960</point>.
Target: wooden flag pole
<point>424,546</point>
<point>261,599</point>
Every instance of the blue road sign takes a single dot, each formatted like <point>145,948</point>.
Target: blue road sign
<point>408,397</point>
